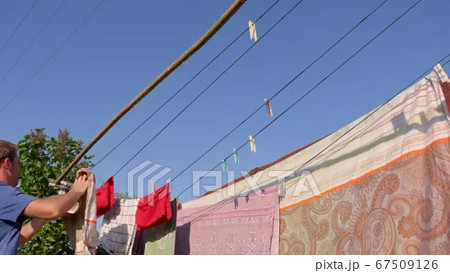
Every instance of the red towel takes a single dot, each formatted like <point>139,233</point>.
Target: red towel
<point>105,197</point>
<point>154,209</point>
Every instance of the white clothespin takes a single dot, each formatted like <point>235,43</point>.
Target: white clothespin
<point>252,143</point>
<point>252,29</point>
<point>441,73</point>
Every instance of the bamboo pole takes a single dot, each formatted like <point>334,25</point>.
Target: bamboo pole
<point>188,53</point>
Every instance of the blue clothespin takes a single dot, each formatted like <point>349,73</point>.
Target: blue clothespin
<point>224,165</point>
<point>125,197</point>
<point>236,156</point>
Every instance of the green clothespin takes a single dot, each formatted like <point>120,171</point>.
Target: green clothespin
<point>125,196</point>
<point>236,156</point>
<point>224,165</point>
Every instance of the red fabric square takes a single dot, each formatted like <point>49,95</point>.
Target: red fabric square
<point>154,209</point>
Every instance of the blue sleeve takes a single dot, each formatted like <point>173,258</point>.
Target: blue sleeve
<point>12,202</point>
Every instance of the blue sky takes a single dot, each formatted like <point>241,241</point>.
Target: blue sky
<point>126,44</point>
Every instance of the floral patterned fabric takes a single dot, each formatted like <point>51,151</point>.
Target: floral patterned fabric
<point>380,185</point>
<point>403,209</point>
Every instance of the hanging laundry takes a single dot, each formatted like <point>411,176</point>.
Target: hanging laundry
<point>242,225</point>
<point>268,107</point>
<point>236,156</point>
<point>105,197</point>
<point>81,227</point>
<point>224,165</point>
<point>383,195</point>
<point>252,29</point>
<point>154,208</point>
<point>118,231</point>
<point>252,143</point>
<point>158,240</point>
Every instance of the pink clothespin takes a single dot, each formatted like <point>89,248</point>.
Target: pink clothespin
<point>268,107</point>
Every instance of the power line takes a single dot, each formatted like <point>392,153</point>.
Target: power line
<point>52,55</point>
<point>283,88</point>
<point>317,85</point>
<point>32,41</point>
<point>185,85</point>
<point>18,26</point>
<point>204,90</point>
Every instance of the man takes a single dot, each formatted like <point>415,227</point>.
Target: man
<point>15,206</point>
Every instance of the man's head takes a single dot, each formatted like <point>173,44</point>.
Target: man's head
<point>9,163</point>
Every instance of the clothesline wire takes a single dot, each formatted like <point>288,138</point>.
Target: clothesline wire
<point>370,114</point>
<point>204,90</point>
<point>218,206</point>
<point>312,89</point>
<point>19,91</point>
<point>18,26</point>
<point>33,40</point>
<point>184,86</point>
<point>360,122</point>
<point>282,89</point>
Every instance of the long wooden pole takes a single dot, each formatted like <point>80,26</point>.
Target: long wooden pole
<point>188,53</point>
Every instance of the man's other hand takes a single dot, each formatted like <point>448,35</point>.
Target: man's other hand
<point>81,183</point>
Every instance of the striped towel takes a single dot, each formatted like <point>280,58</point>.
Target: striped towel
<point>82,226</point>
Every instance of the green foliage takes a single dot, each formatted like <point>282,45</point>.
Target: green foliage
<point>42,157</point>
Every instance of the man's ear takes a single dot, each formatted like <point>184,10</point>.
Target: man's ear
<point>6,163</point>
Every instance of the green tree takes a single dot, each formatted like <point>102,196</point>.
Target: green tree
<point>43,157</point>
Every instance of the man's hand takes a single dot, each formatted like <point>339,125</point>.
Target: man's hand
<point>81,183</point>
<point>57,206</point>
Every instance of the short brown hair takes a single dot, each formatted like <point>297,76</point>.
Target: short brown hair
<point>7,150</point>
